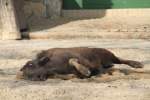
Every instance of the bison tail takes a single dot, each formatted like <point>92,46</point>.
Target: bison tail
<point>134,64</point>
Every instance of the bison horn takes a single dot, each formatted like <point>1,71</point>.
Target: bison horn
<point>81,68</point>
<point>43,60</point>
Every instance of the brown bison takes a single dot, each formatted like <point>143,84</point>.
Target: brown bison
<point>82,62</point>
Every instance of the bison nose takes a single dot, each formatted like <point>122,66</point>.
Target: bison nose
<point>19,75</point>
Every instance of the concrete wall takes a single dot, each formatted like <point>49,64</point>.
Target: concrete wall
<point>115,13</point>
<point>53,8</point>
<point>39,9</point>
<point>43,8</point>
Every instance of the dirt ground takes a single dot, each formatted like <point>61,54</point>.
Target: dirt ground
<point>120,86</point>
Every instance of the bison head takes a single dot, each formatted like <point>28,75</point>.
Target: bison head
<point>35,70</point>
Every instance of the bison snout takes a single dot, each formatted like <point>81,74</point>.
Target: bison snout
<point>19,75</point>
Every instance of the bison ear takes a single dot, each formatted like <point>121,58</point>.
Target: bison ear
<point>43,61</point>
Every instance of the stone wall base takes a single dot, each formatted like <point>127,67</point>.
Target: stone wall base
<point>106,13</point>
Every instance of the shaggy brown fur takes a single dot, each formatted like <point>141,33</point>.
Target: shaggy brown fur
<point>80,62</point>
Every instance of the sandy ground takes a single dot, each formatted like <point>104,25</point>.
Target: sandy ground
<point>133,86</point>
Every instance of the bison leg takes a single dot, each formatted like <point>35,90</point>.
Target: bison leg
<point>81,68</point>
<point>65,77</point>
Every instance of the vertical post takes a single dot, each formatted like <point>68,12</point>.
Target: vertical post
<point>10,28</point>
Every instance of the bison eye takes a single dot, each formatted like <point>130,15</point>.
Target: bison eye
<point>30,65</point>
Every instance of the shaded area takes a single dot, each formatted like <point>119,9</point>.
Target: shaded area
<point>72,4</point>
<point>87,4</point>
<point>22,22</point>
<point>37,23</point>
<point>97,4</point>
<point>105,4</point>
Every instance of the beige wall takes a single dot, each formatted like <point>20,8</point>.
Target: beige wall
<point>40,9</point>
<point>43,8</point>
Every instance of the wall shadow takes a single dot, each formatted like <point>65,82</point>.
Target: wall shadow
<point>22,22</point>
<point>87,4</point>
<point>36,23</point>
<point>97,4</point>
<point>72,4</point>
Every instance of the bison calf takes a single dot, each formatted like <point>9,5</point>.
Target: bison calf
<point>80,62</point>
